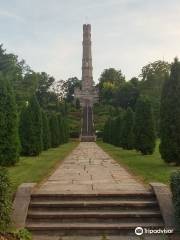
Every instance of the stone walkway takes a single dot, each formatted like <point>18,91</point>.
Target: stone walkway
<point>88,169</point>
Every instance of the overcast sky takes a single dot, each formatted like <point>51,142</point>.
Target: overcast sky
<point>126,34</point>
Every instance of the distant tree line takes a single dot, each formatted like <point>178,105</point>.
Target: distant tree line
<point>132,130</point>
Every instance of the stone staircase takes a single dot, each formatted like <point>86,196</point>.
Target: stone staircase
<point>87,134</point>
<point>92,214</point>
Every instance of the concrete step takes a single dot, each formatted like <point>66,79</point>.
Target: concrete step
<point>86,197</point>
<point>93,217</point>
<point>92,205</point>
<point>88,229</point>
<point>87,214</point>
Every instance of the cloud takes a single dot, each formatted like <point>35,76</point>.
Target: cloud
<point>126,34</point>
<point>7,14</point>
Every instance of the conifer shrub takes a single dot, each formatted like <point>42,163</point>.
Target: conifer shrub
<point>31,128</point>
<point>66,130</point>
<point>61,129</point>
<point>46,131</point>
<point>54,129</point>
<point>5,200</point>
<point>144,130</point>
<point>170,116</point>
<point>127,133</point>
<point>175,188</point>
<point>107,131</point>
<point>9,138</point>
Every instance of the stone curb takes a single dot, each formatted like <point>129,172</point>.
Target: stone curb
<point>164,198</point>
<point>21,204</point>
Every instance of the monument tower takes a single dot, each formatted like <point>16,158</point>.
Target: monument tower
<point>88,94</point>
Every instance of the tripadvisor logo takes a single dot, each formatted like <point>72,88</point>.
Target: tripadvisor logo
<point>139,231</point>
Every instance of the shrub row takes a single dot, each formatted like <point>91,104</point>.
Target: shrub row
<point>133,130</point>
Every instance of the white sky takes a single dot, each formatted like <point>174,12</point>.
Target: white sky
<point>126,34</point>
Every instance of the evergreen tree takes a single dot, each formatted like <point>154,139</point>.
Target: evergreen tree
<point>9,139</point>
<point>109,130</point>
<point>113,131</point>
<point>105,132</point>
<point>54,129</point>
<point>46,131</point>
<point>31,128</point>
<point>66,130</point>
<point>170,116</point>
<point>60,126</point>
<point>127,134</point>
<point>144,132</point>
<point>118,130</point>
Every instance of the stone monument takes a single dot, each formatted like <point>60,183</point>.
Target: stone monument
<point>88,94</point>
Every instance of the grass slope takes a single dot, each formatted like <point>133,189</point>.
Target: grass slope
<point>35,169</point>
<point>150,168</point>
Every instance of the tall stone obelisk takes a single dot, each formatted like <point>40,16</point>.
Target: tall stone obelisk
<point>87,78</point>
<point>88,93</point>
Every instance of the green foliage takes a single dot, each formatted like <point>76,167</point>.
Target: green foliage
<point>153,76</point>
<point>127,133</point>
<point>112,130</point>
<point>118,130</point>
<point>22,79</point>
<point>61,129</point>
<point>31,128</point>
<point>46,137</point>
<point>9,140</point>
<point>5,199</point>
<point>109,81</point>
<point>23,234</point>
<point>170,116</point>
<point>127,95</point>
<point>175,188</point>
<point>54,129</point>
<point>144,132</point>
<point>69,86</point>
<point>65,125</point>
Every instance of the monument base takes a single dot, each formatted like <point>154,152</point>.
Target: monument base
<point>88,138</point>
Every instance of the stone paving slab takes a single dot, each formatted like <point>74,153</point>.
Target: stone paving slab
<point>88,169</point>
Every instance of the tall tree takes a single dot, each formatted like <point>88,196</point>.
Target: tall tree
<point>170,116</point>
<point>9,139</point>
<point>46,131</point>
<point>144,132</point>
<point>127,95</point>
<point>69,86</point>
<point>54,129</point>
<point>127,134</point>
<point>110,80</point>
<point>152,80</point>
<point>31,128</point>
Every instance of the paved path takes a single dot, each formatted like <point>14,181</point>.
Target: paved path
<point>88,169</point>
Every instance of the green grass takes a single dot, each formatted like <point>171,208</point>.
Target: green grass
<point>35,169</point>
<point>149,168</point>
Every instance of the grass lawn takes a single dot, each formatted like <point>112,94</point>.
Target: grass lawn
<point>149,168</point>
<point>35,169</point>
